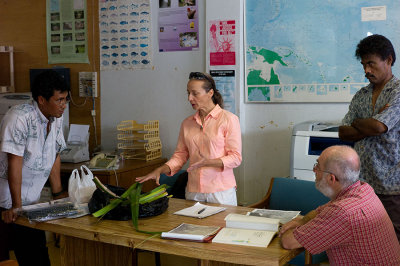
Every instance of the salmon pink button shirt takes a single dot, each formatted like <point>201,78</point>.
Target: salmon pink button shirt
<point>218,137</point>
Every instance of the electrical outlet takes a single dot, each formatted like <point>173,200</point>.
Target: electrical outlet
<point>88,84</point>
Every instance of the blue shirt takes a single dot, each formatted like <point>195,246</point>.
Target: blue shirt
<point>379,155</point>
<point>23,132</point>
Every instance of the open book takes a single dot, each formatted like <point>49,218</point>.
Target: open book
<point>200,211</point>
<point>192,232</point>
<point>247,230</point>
<point>283,216</point>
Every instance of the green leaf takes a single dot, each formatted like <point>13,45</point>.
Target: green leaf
<point>134,198</point>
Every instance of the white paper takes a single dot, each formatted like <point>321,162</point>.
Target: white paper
<point>198,207</point>
<point>244,237</point>
<point>283,216</point>
<point>78,133</point>
<point>373,13</point>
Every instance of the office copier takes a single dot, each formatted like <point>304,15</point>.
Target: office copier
<point>309,139</point>
<point>7,100</point>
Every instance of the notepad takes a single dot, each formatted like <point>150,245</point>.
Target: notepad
<point>199,210</point>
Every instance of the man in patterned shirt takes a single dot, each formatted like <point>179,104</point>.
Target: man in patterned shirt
<point>31,139</point>
<point>373,122</point>
<point>354,227</point>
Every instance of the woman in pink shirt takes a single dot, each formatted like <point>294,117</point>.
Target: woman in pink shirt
<point>211,140</point>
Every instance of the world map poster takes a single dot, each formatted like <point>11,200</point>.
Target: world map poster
<point>303,51</point>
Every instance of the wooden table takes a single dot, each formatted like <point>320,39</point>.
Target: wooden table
<point>124,176</point>
<point>88,241</point>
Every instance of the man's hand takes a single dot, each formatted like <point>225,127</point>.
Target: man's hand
<point>290,225</point>
<point>64,194</point>
<point>384,108</point>
<point>9,216</point>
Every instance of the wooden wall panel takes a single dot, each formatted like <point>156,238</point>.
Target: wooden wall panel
<point>23,25</point>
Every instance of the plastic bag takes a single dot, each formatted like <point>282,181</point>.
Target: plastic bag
<point>81,188</point>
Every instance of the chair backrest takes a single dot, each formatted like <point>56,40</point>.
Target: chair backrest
<point>296,195</point>
<point>176,183</point>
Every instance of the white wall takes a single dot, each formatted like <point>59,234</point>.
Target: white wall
<point>161,94</point>
<point>267,138</point>
<point>158,94</point>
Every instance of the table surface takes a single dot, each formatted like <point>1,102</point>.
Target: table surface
<point>122,233</point>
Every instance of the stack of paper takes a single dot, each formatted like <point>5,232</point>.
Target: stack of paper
<point>192,232</point>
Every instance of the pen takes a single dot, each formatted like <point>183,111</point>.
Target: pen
<point>201,210</point>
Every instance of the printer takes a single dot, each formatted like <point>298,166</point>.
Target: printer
<point>309,139</point>
<point>77,145</point>
<point>7,100</point>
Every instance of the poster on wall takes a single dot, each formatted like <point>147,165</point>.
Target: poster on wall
<point>291,57</point>
<point>125,34</point>
<point>178,25</point>
<point>66,31</point>
<point>222,42</point>
<point>225,84</point>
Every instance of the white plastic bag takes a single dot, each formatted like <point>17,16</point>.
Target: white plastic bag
<point>81,188</point>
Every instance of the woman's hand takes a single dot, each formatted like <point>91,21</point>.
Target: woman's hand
<point>152,175</point>
<point>196,165</point>
<point>217,163</point>
<point>155,174</point>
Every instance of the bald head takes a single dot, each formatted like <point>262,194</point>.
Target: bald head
<point>343,161</point>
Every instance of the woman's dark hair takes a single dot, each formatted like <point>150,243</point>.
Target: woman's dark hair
<point>46,83</point>
<point>375,44</point>
<point>208,84</point>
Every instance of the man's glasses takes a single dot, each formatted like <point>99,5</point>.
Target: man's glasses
<point>62,101</point>
<point>316,168</point>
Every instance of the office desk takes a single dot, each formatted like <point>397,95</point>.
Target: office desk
<point>90,242</point>
<point>124,176</point>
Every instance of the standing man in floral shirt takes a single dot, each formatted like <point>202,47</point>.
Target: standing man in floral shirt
<point>31,140</point>
<point>373,123</point>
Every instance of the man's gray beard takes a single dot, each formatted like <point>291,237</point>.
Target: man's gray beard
<point>323,187</point>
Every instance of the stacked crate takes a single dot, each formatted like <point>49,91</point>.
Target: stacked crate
<point>139,141</point>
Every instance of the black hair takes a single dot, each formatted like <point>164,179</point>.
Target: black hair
<point>375,44</point>
<point>208,84</point>
<point>46,83</point>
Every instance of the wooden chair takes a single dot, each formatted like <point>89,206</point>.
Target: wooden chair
<point>295,195</point>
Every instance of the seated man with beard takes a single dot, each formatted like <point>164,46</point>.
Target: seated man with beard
<point>353,227</point>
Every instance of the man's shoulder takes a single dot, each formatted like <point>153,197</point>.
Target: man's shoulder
<point>21,109</point>
<point>21,112</point>
<point>356,195</point>
<point>363,91</point>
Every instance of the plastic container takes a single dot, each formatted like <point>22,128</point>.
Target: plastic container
<point>153,144</point>
<point>152,125</point>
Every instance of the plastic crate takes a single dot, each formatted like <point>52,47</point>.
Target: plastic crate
<point>126,125</point>
<point>149,145</point>
<point>138,135</point>
<point>142,154</point>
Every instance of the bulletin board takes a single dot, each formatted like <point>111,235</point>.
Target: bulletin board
<point>303,51</point>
